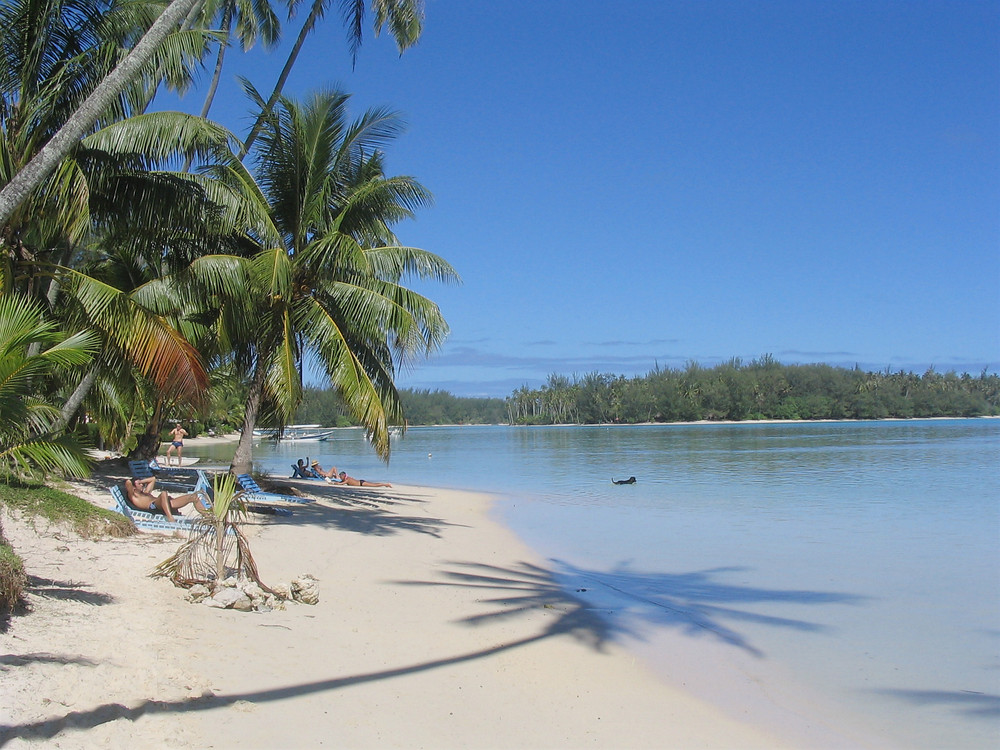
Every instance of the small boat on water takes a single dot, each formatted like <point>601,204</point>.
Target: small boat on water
<point>111,455</point>
<point>305,438</point>
<point>295,433</point>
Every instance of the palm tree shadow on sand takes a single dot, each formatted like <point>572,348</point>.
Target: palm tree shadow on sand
<point>693,601</point>
<point>620,603</point>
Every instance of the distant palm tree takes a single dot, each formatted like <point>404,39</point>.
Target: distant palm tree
<point>250,21</point>
<point>405,19</point>
<point>330,289</point>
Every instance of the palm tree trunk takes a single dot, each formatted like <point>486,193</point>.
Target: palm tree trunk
<point>314,14</point>
<point>243,458</point>
<point>82,120</point>
<point>148,444</point>
<point>227,22</point>
<point>76,398</point>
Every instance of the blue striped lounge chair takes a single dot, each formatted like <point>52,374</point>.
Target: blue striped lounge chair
<point>143,519</point>
<point>142,470</point>
<point>155,465</point>
<point>297,473</point>
<point>205,485</point>
<point>254,494</point>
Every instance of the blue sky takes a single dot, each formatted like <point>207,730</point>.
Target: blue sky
<point>625,185</point>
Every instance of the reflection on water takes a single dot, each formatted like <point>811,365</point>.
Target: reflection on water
<point>889,533</point>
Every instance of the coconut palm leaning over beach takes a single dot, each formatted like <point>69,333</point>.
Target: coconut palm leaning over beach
<point>326,285</point>
<point>107,195</point>
<point>101,42</point>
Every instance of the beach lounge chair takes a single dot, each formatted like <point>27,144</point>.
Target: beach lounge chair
<point>297,473</point>
<point>142,470</point>
<point>264,509</point>
<point>155,465</point>
<point>146,520</point>
<point>255,494</point>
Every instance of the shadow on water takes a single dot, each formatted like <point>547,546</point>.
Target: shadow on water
<point>969,702</point>
<point>697,602</point>
<point>622,601</point>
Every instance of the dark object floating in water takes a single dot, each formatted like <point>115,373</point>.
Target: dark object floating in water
<point>630,480</point>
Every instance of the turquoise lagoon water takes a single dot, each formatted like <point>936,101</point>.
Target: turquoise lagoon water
<point>843,579</point>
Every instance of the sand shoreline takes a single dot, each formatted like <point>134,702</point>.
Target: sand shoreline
<point>436,627</point>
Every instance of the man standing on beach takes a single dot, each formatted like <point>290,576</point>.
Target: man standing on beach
<point>177,436</point>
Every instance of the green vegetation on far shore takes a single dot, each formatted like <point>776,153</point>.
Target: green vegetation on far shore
<point>733,391</point>
<point>761,389</point>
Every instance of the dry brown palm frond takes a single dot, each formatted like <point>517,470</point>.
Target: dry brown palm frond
<point>216,549</point>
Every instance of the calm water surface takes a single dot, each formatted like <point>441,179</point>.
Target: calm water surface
<point>852,569</point>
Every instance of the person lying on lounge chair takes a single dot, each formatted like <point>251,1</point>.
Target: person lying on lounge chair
<point>352,482</point>
<point>140,494</point>
<point>327,475</point>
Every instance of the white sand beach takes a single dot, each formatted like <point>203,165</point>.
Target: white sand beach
<point>435,628</point>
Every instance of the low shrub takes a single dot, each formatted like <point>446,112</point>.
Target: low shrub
<point>13,579</point>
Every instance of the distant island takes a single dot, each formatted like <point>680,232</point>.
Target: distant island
<point>762,389</point>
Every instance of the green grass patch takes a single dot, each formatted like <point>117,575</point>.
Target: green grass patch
<point>55,506</point>
<point>59,507</point>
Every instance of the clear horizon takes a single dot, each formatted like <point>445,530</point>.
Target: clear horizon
<point>675,182</point>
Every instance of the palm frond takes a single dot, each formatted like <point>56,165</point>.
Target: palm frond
<point>152,344</point>
<point>38,457</point>
<point>158,137</point>
<point>397,262</point>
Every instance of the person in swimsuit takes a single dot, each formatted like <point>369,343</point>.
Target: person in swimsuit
<point>140,494</point>
<point>316,469</point>
<point>177,436</point>
<point>352,482</point>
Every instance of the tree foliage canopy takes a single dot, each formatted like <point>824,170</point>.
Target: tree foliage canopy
<point>761,389</point>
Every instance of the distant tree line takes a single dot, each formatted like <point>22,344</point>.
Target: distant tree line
<point>421,407</point>
<point>761,389</point>
<point>441,407</point>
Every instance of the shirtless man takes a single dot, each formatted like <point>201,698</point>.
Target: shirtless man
<point>352,482</point>
<point>140,494</point>
<point>177,436</point>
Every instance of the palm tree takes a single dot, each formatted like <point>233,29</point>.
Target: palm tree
<point>405,19</point>
<point>112,199</point>
<point>217,548</point>
<point>29,447</point>
<point>252,20</point>
<point>135,213</point>
<point>329,289</point>
<point>101,80</point>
